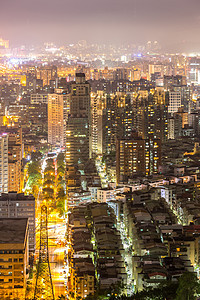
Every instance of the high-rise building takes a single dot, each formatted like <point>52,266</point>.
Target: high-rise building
<point>155,117</point>
<point>175,127</point>
<point>38,119</point>
<point>46,73</point>
<point>4,43</point>
<point>3,163</point>
<point>15,149</point>
<point>170,81</point>
<point>137,156</point>
<point>78,129</point>
<point>13,205</point>
<point>126,119</point>
<point>55,119</point>
<point>98,101</point>
<point>94,106</point>
<point>39,98</point>
<point>171,126</point>
<point>180,97</point>
<point>13,257</point>
<point>174,101</point>
<point>112,118</point>
<point>152,156</point>
<point>130,158</point>
<point>101,131</point>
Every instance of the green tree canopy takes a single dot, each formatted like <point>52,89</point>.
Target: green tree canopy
<point>60,159</point>
<point>189,287</point>
<point>61,193</point>
<point>36,156</point>
<point>62,297</point>
<point>48,190</point>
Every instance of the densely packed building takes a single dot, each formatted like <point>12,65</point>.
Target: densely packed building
<point>129,129</point>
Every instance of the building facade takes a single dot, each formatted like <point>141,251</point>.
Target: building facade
<point>13,205</point>
<point>55,120</point>
<point>3,163</point>
<point>78,128</point>
<point>13,258</point>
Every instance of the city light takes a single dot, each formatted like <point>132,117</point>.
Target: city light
<point>100,150</point>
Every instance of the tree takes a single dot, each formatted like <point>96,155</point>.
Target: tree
<point>48,182</point>
<point>62,297</point>
<point>33,168</point>
<point>186,288</point>
<point>36,156</point>
<point>49,169</point>
<point>61,193</point>
<point>189,287</point>
<point>48,176</point>
<point>60,159</point>
<point>166,290</point>
<point>61,171</point>
<point>35,179</point>
<point>48,190</point>
<point>61,182</point>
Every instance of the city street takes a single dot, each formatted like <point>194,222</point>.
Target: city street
<point>56,256</point>
<point>56,242</point>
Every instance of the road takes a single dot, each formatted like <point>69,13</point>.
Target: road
<point>56,234</point>
<point>56,237</point>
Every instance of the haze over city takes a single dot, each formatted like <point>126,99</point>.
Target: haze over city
<point>173,23</point>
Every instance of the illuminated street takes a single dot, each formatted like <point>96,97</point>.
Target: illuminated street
<point>56,237</point>
<point>100,150</point>
<point>56,256</point>
<point>101,168</point>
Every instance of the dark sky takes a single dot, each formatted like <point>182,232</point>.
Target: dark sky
<point>171,22</point>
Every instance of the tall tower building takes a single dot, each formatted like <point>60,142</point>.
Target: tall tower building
<point>101,131</point>
<point>130,158</point>
<point>4,43</point>
<point>152,156</point>
<point>155,119</point>
<point>46,74</point>
<point>78,129</point>
<point>113,119</point>
<point>55,120</point>
<point>111,123</point>
<point>15,154</point>
<point>137,156</point>
<point>14,158</point>
<point>3,163</point>
<point>174,101</point>
<point>126,119</point>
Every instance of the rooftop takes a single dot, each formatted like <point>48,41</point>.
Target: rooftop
<point>13,230</point>
<point>15,196</point>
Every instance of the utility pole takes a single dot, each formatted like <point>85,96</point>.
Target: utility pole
<point>44,285</point>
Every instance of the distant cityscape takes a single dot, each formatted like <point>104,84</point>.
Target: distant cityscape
<point>99,172</point>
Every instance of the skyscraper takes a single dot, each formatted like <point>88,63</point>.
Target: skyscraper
<point>174,101</point>
<point>78,129</point>
<point>3,163</point>
<point>155,117</point>
<point>46,73</point>
<point>55,120</point>
<point>15,149</point>
<point>130,158</point>
<point>137,156</point>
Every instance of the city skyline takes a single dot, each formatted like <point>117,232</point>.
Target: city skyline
<point>99,150</point>
<point>174,24</point>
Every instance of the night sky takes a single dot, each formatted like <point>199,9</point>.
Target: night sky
<point>174,23</point>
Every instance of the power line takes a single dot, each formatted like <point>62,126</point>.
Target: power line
<point>44,285</point>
